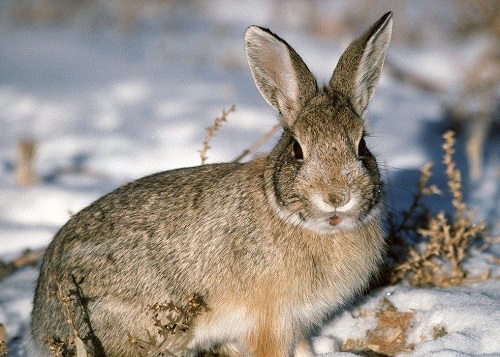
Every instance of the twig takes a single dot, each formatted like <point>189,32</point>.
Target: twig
<point>453,174</point>
<point>423,190</point>
<point>65,300</point>
<point>446,242</point>
<point>25,171</point>
<point>29,257</point>
<point>3,341</point>
<point>211,132</point>
<point>57,347</point>
<point>412,78</point>
<point>258,143</point>
<point>176,320</point>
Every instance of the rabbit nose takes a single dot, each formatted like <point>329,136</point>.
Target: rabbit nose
<point>338,199</point>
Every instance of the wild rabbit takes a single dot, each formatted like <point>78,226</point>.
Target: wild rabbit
<point>272,246</point>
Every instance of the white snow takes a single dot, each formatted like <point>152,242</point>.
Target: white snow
<point>107,106</point>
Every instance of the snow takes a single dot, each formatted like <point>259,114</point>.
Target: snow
<point>108,106</point>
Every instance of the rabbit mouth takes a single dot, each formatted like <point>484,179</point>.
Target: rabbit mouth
<point>327,217</point>
<point>334,220</point>
<point>331,224</point>
<point>315,215</point>
<point>338,221</point>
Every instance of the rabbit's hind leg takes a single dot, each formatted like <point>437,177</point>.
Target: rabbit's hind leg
<point>225,350</point>
<point>303,349</point>
<point>266,341</point>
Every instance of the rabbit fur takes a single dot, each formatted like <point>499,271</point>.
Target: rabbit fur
<point>272,246</point>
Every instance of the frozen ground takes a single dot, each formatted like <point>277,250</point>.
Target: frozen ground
<point>108,106</point>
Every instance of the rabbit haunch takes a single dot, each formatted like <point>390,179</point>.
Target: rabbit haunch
<point>273,246</point>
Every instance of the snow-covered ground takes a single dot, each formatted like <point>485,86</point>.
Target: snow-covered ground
<point>109,105</point>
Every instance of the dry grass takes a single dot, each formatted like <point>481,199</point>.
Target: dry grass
<point>73,345</point>
<point>439,331</point>
<point>124,14</point>
<point>388,338</point>
<point>211,132</point>
<point>170,320</point>
<point>417,214</point>
<point>445,241</point>
<point>27,258</point>
<point>252,148</point>
<point>3,341</point>
<point>25,171</point>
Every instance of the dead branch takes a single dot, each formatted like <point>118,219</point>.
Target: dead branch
<point>28,258</point>
<point>171,321</point>
<point>413,79</point>
<point>211,132</point>
<point>258,143</point>
<point>73,345</point>
<point>446,242</point>
<point>25,171</point>
<point>3,341</point>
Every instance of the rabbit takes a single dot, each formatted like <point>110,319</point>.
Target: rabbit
<point>272,246</point>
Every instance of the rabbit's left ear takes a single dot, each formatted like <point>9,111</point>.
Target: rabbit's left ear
<point>281,76</point>
<point>358,70</point>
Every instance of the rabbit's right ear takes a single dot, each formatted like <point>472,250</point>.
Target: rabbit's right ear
<point>281,76</point>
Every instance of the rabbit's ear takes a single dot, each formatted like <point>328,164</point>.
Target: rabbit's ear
<point>359,67</point>
<point>281,76</point>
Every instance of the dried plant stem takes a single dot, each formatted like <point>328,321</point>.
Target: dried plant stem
<point>60,347</point>
<point>170,321</point>
<point>258,143</point>
<point>211,132</point>
<point>439,261</point>
<point>25,167</point>
<point>413,79</point>
<point>28,257</point>
<point>454,175</point>
<point>409,215</point>
<point>3,341</point>
<point>388,337</point>
<point>65,300</point>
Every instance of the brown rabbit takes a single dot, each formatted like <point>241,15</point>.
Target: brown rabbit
<point>272,246</point>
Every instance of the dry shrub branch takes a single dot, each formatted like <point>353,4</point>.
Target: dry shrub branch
<point>446,241</point>
<point>73,345</point>
<point>211,132</point>
<point>3,341</point>
<point>169,320</point>
<point>417,214</point>
<point>388,338</point>
<point>25,166</point>
<point>27,258</point>
<point>258,143</point>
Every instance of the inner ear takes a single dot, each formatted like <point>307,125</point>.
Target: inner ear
<point>359,67</point>
<point>281,76</point>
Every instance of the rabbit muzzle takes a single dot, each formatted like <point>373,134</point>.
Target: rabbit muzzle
<point>334,203</point>
<point>335,211</point>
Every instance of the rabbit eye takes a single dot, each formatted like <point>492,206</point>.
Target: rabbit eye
<point>362,149</point>
<point>297,151</point>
